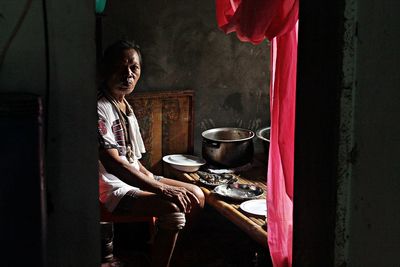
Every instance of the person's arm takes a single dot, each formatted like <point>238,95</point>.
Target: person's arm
<point>144,179</point>
<point>122,169</point>
<point>145,171</point>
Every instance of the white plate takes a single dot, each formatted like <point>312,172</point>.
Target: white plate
<point>188,163</point>
<point>255,206</point>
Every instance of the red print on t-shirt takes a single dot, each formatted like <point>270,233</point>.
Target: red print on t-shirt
<point>102,127</point>
<point>118,132</point>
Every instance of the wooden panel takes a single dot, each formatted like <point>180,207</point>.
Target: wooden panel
<point>166,123</point>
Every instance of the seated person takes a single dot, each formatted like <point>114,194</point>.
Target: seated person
<point>126,186</point>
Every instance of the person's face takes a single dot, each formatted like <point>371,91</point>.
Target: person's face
<point>124,73</point>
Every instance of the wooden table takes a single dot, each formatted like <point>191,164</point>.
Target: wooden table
<point>254,225</point>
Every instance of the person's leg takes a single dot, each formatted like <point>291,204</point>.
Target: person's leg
<point>170,221</point>
<point>195,212</point>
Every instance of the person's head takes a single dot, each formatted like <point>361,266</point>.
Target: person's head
<point>121,67</point>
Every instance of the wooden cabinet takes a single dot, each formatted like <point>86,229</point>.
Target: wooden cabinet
<point>166,120</point>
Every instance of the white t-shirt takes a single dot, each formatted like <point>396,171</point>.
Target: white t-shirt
<point>111,135</point>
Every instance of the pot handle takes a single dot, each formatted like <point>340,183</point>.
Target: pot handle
<point>211,143</point>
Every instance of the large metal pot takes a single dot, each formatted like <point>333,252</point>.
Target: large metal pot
<point>228,147</point>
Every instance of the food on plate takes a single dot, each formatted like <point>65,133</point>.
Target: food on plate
<point>215,179</point>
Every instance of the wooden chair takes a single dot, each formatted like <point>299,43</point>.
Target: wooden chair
<point>106,216</point>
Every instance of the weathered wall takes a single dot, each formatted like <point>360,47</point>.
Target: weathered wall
<point>359,59</point>
<point>367,232</point>
<point>184,49</point>
<point>346,133</point>
<point>71,149</point>
<point>374,233</point>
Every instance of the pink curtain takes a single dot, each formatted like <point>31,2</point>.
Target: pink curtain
<point>254,21</point>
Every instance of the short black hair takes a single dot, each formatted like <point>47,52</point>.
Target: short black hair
<point>111,54</point>
<point>116,48</point>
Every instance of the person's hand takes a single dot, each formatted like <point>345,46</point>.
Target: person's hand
<point>182,197</point>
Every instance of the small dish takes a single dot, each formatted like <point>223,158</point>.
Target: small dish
<point>185,163</point>
<point>239,191</point>
<point>255,207</point>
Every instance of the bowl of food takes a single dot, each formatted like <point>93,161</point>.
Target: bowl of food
<point>184,163</point>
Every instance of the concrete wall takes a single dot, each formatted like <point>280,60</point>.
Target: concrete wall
<point>374,219</point>
<point>367,226</point>
<point>71,148</point>
<point>184,49</point>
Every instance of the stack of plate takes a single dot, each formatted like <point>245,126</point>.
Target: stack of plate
<point>185,163</point>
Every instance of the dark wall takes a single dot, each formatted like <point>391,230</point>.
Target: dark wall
<point>184,49</point>
<point>67,88</point>
<point>347,134</point>
<point>374,214</point>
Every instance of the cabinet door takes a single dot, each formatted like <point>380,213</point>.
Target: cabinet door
<point>166,124</point>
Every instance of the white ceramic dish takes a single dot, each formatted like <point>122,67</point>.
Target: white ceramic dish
<point>185,163</point>
<point>255,206</point>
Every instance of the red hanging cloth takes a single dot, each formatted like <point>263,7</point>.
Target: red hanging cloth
<point>254,21</point>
